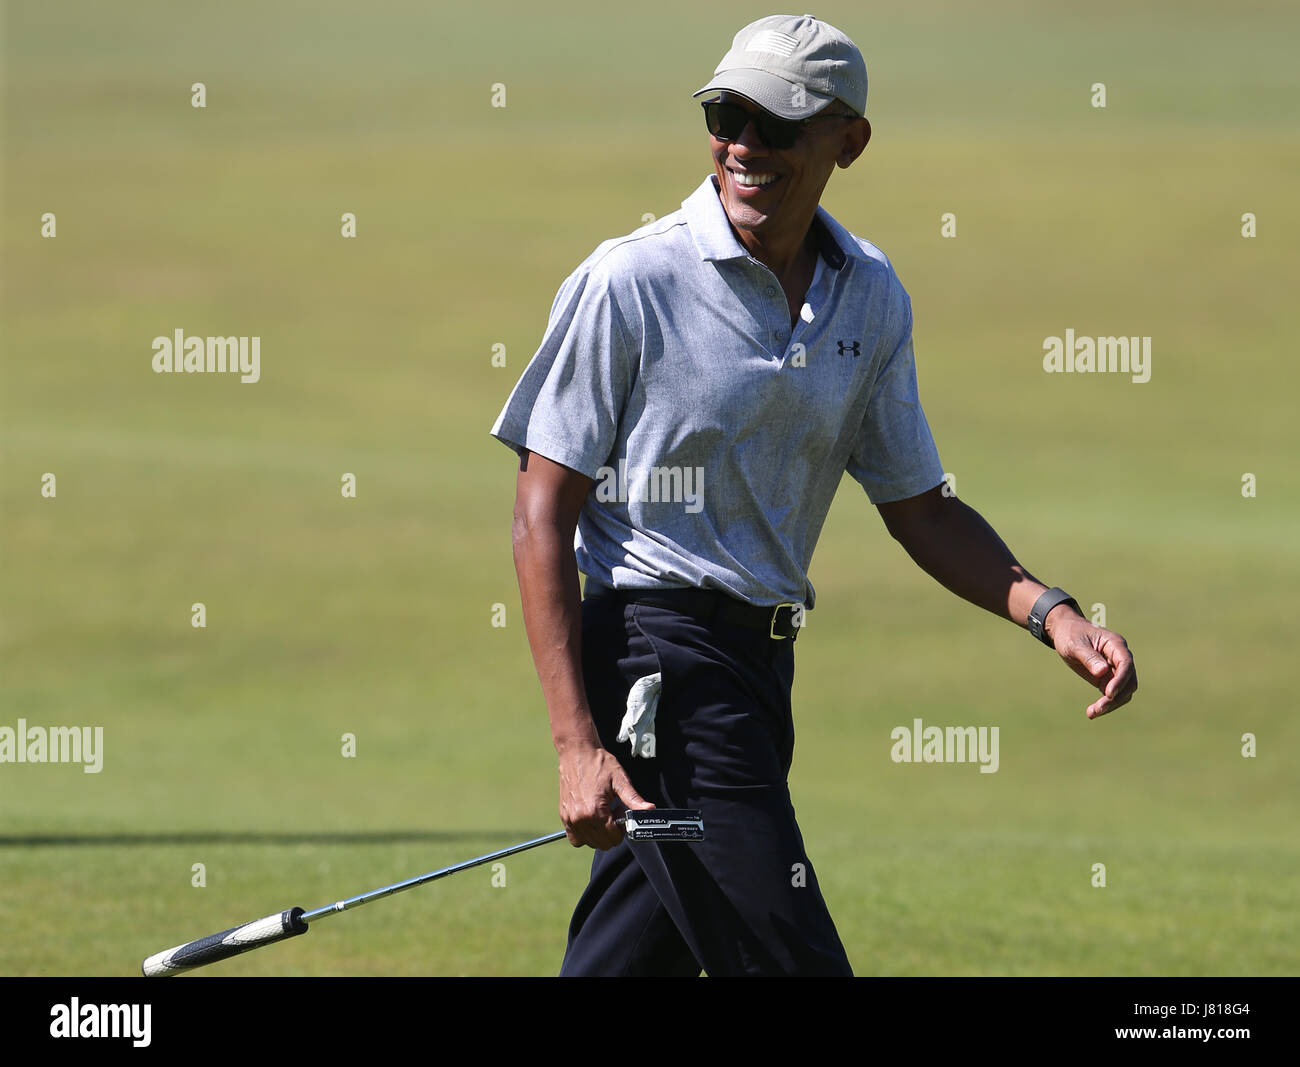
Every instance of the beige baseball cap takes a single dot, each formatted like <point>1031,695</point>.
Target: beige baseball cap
<point>792,66</point>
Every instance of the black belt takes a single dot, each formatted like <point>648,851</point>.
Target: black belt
<point>777,621</point>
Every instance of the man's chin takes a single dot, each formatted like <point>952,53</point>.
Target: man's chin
<point>745,217</point>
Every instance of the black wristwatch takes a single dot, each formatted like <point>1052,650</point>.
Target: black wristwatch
<point>1045,603</point>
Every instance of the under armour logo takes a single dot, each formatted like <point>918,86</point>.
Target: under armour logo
<point>849,348</point>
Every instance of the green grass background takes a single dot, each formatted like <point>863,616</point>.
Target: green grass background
<point>372,616</point>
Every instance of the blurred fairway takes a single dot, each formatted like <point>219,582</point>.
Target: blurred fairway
<point>372,616</point>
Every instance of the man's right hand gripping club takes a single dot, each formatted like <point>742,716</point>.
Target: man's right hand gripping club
<point>591,782</point>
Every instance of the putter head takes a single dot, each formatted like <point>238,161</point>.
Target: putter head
<point>664,824</point>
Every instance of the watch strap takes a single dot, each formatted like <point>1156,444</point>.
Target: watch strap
<point>1045,603</point>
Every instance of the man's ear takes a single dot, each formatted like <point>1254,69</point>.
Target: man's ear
<point>855,141</point>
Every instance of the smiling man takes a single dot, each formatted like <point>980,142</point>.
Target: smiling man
<point>745,351</point>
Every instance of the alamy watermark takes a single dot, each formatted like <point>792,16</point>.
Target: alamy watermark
<point>1097,355</point>
<point>54,744</point>
<point>951,744</point>
<point>179,354</point>
<point>654,485</point>
<point>76,1019</point>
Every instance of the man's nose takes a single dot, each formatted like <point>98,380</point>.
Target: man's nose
<point>749,137</point>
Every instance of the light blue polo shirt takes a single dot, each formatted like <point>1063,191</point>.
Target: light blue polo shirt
<point>717,436</point>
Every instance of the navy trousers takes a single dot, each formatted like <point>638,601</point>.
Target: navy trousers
<point>745,901</point>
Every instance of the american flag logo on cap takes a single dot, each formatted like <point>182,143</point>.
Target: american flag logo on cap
<point>781,44</point>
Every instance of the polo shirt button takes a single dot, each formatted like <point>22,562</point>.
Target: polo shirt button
<point>780,335</point>
<point>771,290</point>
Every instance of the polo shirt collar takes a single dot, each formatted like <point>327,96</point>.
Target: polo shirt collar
<point>715,240</point>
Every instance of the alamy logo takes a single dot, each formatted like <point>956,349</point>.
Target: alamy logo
<point>57,744</point>
<point>845,348</point>
<point>655,485</point>
<point>208,355</point>
<point>953,744</point>
<point>1095,355</point>
<point>102,1020</point>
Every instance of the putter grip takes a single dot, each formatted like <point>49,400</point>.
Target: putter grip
<point>225,944</point>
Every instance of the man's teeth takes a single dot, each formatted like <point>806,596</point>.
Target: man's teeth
<point>748,180</point>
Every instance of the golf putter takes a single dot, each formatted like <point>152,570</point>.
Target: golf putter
<point>655,824</point>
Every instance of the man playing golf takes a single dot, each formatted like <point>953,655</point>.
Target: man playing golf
<point>702,386</point>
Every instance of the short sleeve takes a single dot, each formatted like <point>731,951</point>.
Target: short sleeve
<point>895,455</point>
<point>568,403</point>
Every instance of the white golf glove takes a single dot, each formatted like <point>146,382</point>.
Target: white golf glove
<point>639,722</point>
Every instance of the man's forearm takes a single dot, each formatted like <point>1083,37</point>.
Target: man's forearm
<point>551,597</point>
<point>955,545</point>
<point>548,501</point>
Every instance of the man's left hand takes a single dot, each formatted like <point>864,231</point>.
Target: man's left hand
<point>1100,656</point>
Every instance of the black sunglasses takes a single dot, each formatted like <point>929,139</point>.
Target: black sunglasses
<point>728,121</point>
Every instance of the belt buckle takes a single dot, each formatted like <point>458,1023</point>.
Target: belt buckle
<point>771,630</point>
